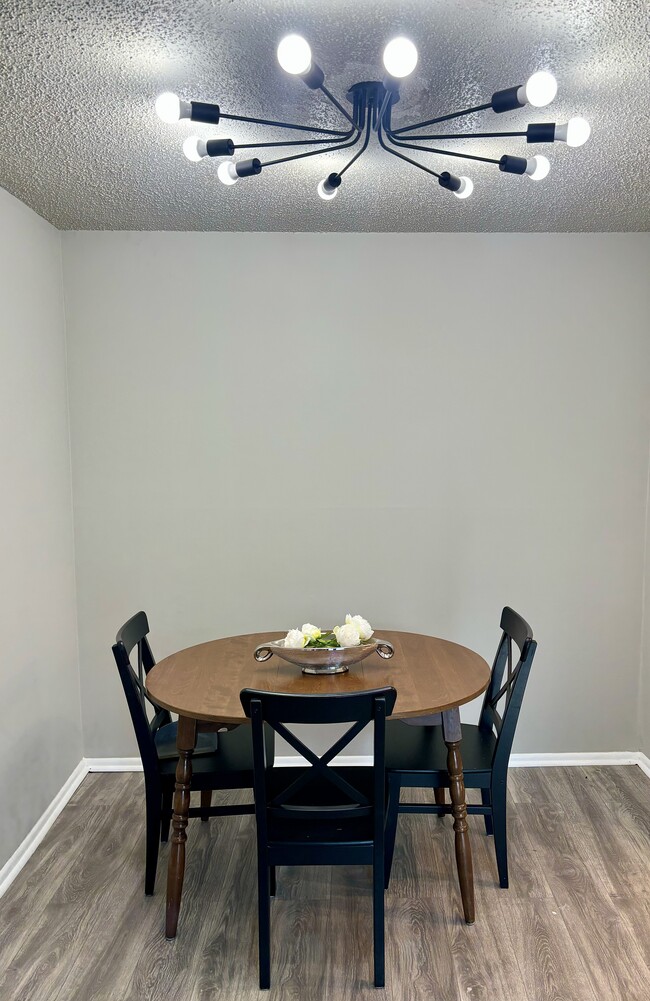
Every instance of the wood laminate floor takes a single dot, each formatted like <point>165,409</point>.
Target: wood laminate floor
<point>574,925</point>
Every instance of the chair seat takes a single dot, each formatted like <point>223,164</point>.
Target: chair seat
<point>303,827</point>
<point>422,748</point>
<point>231,763</point>
<point>165,740</point>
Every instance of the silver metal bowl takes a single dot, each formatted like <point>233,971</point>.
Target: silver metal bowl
<point>324,660</point>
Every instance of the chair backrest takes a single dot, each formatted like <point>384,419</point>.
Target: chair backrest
<point>305,793</point>
<point>505,692</point>
<point>133,636</point>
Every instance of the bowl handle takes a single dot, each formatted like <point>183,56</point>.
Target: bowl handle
<point>385,649</point>
<point>263,652</point>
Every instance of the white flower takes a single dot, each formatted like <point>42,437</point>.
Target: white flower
<point>294,640</point>
<point>347,635</point>
<point>362,625</point>
<point>311,632</point>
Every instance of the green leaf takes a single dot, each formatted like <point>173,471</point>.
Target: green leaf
<point>325,641</point>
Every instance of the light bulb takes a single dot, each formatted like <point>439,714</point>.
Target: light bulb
<point>540,89</point>
<point>194,148</point>
<point>574,133</point>
<point>326,191</point>
<point>170,108</point>
<point>466,188</point>
<point>400,57</point>
<point>538,167</point>
<point>227,172</point>
<point>294,54</point>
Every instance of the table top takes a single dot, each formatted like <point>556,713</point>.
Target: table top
<point>204,681</point>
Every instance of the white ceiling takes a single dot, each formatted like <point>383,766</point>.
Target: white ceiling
<point>80,141</point>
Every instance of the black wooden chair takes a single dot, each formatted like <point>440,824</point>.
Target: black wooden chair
<point>319,815</point>
<point>416,755</point>
<point>220,761</point>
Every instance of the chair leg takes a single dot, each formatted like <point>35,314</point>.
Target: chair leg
<point>272,879</point>
<point>153,808</point>
<point>378,921</point>
<point>439,793</point>
<point>166,819</point>
<point>486,800</point>
<point>206,803</point>
<point>390,829</point>
<point>500,832</point>
<point>264,923</point>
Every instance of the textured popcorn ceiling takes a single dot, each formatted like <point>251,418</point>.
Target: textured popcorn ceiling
<point>80,141</point>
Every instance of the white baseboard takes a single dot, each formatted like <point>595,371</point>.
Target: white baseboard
<point>113,764</point>
<point>27,848</point>
<point>570,759</point>
<point>343,760</point>
<point>643,761</point>
<point>579,759</point>
<point>543,760</point>
<point>281,761</point>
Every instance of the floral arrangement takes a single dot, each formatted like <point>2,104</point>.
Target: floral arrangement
<point>355,631</point>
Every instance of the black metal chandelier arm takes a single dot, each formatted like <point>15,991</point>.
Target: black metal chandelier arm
<point>382,111</point>
<point>415,163</point>
<point>292,142</point>
<point>441,152</point>
<point>285,125</point>
<point>360,151</point>
<point>313,152</point>
<point>463,135</point>
<point>330,97</point>
<point>442,118</point>
<point>538,132</point>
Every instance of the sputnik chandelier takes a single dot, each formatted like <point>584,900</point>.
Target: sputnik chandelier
<point>372,103</point>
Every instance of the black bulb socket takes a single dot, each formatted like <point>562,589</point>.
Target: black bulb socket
<point>331,183</point>
<point>202,112</point>
<point>505,100</point>
<point>313,77</point>
<point>220,147</point>
<point>391,83</point>
<point>449,181</point>
<point>542,132</point>
<point>513,164</point>
<point>247,168</point>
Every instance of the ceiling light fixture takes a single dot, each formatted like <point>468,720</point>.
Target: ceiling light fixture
<point>372,105</point>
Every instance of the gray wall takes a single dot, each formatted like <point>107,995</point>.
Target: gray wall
<point>422,428</point>
<point>40,735</point>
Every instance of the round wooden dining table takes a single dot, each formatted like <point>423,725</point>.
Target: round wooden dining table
<point>202,684</point>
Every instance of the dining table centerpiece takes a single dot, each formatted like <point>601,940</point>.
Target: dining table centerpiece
<point>327,651</point>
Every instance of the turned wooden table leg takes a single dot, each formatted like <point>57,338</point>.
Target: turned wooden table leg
<point>452,735</point>
<point>186,741</point>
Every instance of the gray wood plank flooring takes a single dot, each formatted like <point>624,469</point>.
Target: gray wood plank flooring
<point>574,925</point>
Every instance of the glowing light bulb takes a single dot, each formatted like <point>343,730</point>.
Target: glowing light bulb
<point>540,89</point>
<point>227,172</point>
<point>574,133</point>
<point>170,108</point>
<point>466,187</point>
<point>538,167</point>
<point>400,57</point>
<point>194,148</point>
<point>294,54</point>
